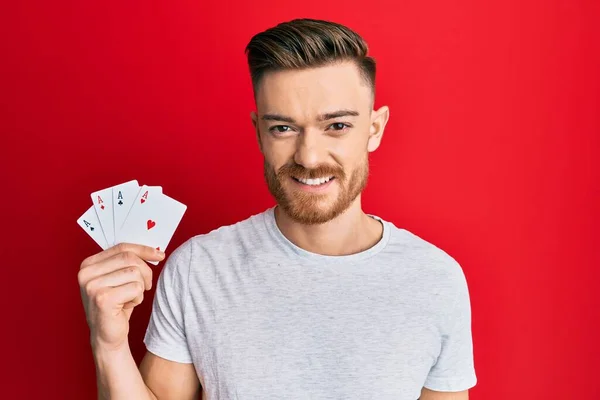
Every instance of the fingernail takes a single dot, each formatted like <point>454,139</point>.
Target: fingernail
<point>161,254</point>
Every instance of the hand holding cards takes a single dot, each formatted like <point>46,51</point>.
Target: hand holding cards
<point>128,213</point>
<point>141,221</point>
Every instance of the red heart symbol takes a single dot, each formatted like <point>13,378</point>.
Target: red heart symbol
<point>150,224</point>
<point>143,200</point>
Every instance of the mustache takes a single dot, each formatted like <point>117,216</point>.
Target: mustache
<point>298,171</point>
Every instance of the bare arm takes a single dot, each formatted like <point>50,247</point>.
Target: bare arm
<point>118,377</point>
<point>112,283</point>
<point>169,380</point>
<point>427,394</point>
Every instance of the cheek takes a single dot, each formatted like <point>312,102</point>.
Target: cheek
<point>348,152</point>
<point>277,153</point>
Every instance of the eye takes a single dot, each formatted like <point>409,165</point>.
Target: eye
<point>279,129</point>
<point>339,126</point>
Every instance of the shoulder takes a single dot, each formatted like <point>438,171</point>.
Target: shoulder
<point>437,272</point>
<point>429,256</point>
<point>235,240</point>
<point>435,276</point>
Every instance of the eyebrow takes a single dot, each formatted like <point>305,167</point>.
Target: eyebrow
<point>322,117</point>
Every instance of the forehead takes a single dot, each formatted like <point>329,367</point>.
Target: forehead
<point>304,94</point>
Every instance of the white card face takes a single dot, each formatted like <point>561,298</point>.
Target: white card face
<point>90,223</point>
<point>152,220</point>
<point>123,196</point>
<point>141,198</point>
<point>103,201</point>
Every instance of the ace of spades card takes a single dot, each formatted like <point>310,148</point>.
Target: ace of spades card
<point>91,225</point>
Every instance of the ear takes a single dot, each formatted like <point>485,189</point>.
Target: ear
<point>379,119</point>
<point>254,118</point>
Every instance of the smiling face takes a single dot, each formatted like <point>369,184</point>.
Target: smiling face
<point>315,129</point>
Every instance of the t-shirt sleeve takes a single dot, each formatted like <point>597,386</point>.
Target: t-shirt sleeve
<point>454,369</point>
<point>165,335</point>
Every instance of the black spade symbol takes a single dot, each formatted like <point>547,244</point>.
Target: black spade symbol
<point>91,228</point>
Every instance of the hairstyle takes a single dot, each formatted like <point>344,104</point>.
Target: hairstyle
<point>307,43</point>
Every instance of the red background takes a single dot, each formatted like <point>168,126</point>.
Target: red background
<point>491,153</point>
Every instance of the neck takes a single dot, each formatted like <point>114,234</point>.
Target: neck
<point>351,232</point>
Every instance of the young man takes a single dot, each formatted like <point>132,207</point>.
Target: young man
<point>312,298</point>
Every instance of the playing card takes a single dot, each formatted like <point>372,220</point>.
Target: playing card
<point>90,223</point>
<point>123,196</point>
<point>103,203</point>
<point>120,215</point>
<point>110,203</point>
<point>152,220</point>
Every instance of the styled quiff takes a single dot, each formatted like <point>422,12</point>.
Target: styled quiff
<point>307,43</point>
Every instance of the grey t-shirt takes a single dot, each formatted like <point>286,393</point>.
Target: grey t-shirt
<point>261,318</point>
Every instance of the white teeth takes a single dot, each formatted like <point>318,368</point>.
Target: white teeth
<point>317,181</point>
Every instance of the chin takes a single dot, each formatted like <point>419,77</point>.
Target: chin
<point>313,212</point>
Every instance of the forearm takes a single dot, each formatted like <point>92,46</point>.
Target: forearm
<point>118,376</point>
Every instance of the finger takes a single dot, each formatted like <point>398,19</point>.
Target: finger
<point>144,252</point>
<point>137,301</point>
<point>114,263</point>
<point>117,278</point>
<point>121,295</point>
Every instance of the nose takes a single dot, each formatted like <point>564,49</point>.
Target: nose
<point>310,149</point>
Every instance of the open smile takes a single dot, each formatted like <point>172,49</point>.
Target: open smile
<point>314,184</point>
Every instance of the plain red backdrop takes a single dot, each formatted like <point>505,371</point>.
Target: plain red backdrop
<point>491,153</point>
